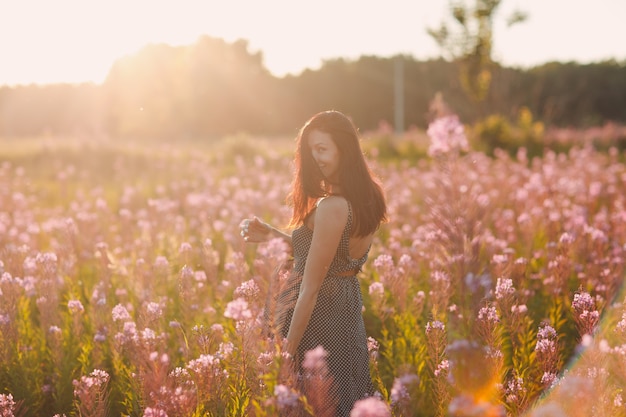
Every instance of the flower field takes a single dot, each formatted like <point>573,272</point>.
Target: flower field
<point>494,289</point>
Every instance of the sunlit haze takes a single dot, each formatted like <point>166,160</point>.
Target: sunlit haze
<point>77,41</point>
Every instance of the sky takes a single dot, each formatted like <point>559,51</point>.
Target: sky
<point>74,41</point>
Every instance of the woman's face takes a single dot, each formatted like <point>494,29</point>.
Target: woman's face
<point>325,153</point>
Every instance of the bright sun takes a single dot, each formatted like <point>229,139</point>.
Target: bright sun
<point>76,41</point>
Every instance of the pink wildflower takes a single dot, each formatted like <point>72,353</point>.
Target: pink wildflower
<point>120,313</point>
<point>154,412</point>
<point>7,405</point>
<point>75,306</point>
<point>370,407</point>
<point>238,310</point>
<point>488,314</point>
<point>248,290</point>
<point>161,262</point>
<point>399,390</point>
<point>377,290</point>
<point>435,325</point>
<point>447,134</point>
<point>285,396</point>
<point>504,288</point>
<point>315,359</point>
<point>372,347</point>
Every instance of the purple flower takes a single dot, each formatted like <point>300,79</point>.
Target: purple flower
<point>377,290</point>
<point>488,314</point>
<point>7,405</point>
<point>238,310</point>
<point>96,379</point>
<point>370,407</point>
<point>154,412</point>
<point>435,325</point>
<point>119,313</point>
<point>285,396</point>
<point>399,390</point>
<point>315,359</point>
<point>372,347</point>
<point>504,287</point>
<point>154,310</point>
<point>248,289</point>
<point>184,247</point>
<point>203,364</point>
<point>161,263</point>
<point>583,302</point>
<point>549,379</point>
<point>447,134</point>
<point>75,306</point>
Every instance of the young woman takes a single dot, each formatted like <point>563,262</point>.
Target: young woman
<point>338,205</point>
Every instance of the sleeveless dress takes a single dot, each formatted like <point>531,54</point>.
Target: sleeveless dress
<point>336,322</point>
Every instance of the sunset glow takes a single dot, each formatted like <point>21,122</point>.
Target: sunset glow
<point>74,41</point>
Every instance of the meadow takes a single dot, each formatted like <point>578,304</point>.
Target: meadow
<point>495,288</point>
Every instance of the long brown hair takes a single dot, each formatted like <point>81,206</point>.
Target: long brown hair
<point>358,184</point>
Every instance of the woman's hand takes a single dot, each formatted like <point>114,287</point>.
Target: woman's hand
<point>254,230</point>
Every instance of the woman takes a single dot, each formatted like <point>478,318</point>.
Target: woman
<point>338,205</point>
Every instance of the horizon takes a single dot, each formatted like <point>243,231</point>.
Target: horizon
<point>72,42</point>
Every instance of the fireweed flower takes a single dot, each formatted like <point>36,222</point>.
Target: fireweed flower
<point>185,247</point>
<point>285,396</point>
<point>434,325</point>
<point>47,262</point>
<point>225,349</point>
<point>248,290</point>
<point>7,405</point>
<point>519,309</point>
<point>447,135</point>
<point>75,306</point>
<point>372,347</point>
<point>265,360</point>
<point>128,333</point>
<point>200,276</point>
<point>586,314</point>
<point>154,310</point>
<point>504,288</point>
<point>98,378</point>
<point>400,388</point>
<point>377,291</point>
<point>442,368</point>
<point>370,407</point>
<point>238,310</point>
<point>385,267</point>
<point>515,390</point>
<point>549,379</point>
<point>148,335</point>
<point>488,315</point>
<point>276,249</point>
<point>621,325</point>
<point>161,263</point>
<point>186,273</point>
<point>154,412</point>
<point>55,330</point>
<point>205,364</point>
<point>119,313</point>
<point>315,360</point>
<point>217,328</point>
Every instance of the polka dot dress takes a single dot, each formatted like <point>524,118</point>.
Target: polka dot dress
<point>336,322</point>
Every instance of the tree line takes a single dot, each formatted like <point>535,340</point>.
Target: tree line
<point>214,88</point>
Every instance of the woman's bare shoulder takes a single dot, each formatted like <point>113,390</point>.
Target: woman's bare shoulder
<point>332,206</point>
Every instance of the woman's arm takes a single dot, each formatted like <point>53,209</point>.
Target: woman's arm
<point>330,220</point>
<point>255,231</point>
